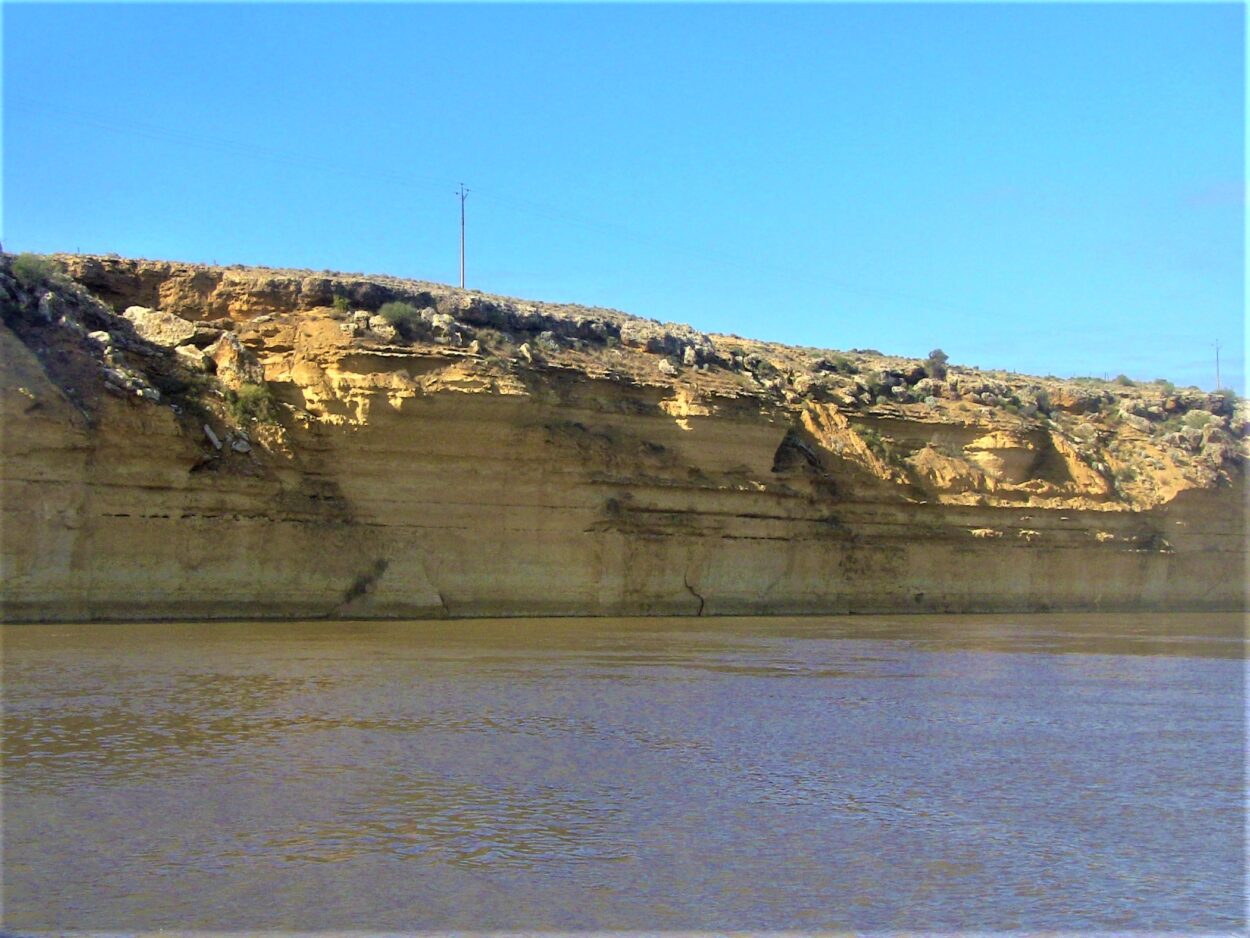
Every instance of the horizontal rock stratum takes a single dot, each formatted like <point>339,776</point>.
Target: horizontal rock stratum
<point>188,442</point>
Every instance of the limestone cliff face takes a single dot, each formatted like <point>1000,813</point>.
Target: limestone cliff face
<point>267,452</point>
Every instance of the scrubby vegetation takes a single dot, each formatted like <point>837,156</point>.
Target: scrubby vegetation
<point>32,270</point>
<point>403,316</point>
<point>836,364</point>
<point>880,446</point>
<point>252,402</point>
<point>935,364</point>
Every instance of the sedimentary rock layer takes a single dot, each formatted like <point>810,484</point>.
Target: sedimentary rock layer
<point>288,453</point>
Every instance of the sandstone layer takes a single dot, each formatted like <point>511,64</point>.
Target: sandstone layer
<point>182,441</point>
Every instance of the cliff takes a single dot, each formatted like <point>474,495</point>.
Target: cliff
<point>183,441</point>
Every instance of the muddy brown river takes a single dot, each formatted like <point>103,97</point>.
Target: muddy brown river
<point>989,773</point>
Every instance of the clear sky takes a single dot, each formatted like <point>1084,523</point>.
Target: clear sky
<point>1056,189</point>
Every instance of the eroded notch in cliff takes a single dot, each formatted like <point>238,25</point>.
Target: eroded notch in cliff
<point>797,455</point>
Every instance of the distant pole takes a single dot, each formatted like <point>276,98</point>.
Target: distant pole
<point>1217,365</point>
<point>464,194</point>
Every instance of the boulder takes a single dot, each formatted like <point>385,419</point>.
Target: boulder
<point>49,307</point>
<point>928,387</point>
<point>205,335</point>
<point>547,342</point>
<point>235,364</point>
<point>192,357</point>
<point>160,328</point>
<point>382,328</point>
<point>759,366</point>
<point>667,368</point>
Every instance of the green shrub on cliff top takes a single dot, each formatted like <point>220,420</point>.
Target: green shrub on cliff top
<point>31,270</point>
<point>935,364</point>
<point>403,316</point>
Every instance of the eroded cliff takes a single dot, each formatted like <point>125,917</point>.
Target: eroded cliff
<point>182,441</point>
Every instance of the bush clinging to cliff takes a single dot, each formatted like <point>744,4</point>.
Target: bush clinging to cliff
<point>32,269</point>
<point>252,402</point>
<point>403,316</point>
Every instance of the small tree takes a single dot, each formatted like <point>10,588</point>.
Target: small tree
<point>935,364</point>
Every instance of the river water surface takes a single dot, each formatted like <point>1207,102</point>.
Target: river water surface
<point>953,773</point>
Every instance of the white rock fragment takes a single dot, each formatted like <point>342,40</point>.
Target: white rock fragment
<point>160,328</point>
<point>382,328</point>
<point>212,437</point>
<point>236,364</point>
<point>192,357</point>
<point>48,306</point>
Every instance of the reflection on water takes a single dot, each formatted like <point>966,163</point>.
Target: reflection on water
<point>1044,772</point>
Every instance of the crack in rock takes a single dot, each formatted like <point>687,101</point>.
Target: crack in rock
<point>686,582</point>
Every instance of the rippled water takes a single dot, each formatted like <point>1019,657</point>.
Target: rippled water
<point>991,773</point>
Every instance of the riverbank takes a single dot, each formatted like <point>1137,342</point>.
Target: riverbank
<point>183,441</point>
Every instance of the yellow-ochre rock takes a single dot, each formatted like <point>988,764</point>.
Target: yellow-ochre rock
<point>250,442</point>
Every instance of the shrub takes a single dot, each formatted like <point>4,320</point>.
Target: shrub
<point>33,269</point>
<point>837,364</point>
<point>342,304</point>
<point>875,442</point>
<point>935,364</point>
<point>252,402</point>
<point>403,316</point>
<point>1125,381</point>
<point>1166,386</point>
<point>1197,419</point>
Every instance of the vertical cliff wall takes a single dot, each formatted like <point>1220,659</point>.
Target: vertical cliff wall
<point>498,458</point>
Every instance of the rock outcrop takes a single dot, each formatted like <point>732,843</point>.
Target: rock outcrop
<point>260,443</point>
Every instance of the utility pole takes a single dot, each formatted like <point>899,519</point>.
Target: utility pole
<point>464,194</point>
<point>1217,365</point>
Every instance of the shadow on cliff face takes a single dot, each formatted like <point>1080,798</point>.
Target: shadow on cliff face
<point>364,583</point>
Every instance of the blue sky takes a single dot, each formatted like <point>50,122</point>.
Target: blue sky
<point>1056,189</point>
